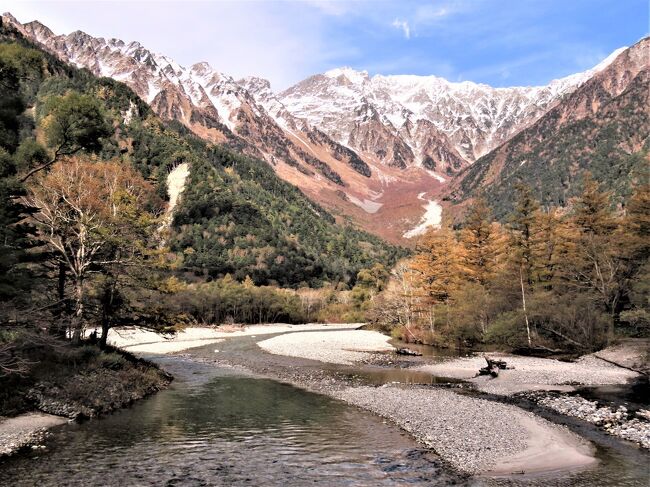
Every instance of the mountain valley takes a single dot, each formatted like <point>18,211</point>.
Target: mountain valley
<point>366,148</point>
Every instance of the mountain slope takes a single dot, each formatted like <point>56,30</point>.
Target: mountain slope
<point>604,127</point>
<point>234,215</point>
<point>368,149</point>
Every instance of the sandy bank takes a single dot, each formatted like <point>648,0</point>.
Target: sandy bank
<point>25,430</point>
<point>475,435</point>
<point>339,347</point>
<point>531,373</point>
<point>138,340</point>
<point>631,353</point>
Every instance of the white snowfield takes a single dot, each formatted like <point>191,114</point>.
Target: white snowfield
<point>340,347</point>
<point>369,206</point>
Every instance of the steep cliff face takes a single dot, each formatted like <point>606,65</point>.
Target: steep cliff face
<point>367,148</point>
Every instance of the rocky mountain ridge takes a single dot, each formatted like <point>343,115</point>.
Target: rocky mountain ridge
<point>368,148</point>
<point>603,127</point>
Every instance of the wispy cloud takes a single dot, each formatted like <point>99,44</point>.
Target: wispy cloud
<point>433,12</point>
<point>403,25</point>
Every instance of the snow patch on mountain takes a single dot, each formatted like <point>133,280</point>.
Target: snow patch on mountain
<point>366,205</point>
<point>176,184</point>
<point>431,219</point>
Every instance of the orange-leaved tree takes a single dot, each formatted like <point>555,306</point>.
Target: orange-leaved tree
<point>92,215</point>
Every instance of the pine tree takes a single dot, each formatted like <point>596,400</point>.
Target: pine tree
<point>523,224</point>
<point>598,266</point>
<point>440,263</point>
<point>592,210</point>
<point>552,247</point>
<point>479,238</point>
<point>636,242</point>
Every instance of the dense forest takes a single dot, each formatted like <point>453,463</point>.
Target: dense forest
<point>546,280</point>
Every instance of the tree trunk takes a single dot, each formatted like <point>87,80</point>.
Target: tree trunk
<point>523,301</point>
<point>58,327</point>
<point>77,322</point>
<point>104,337</point>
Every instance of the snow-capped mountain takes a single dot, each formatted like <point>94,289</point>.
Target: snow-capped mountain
<point>474,118</point>
<point>365,147</point>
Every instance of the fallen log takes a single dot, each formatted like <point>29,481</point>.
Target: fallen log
<point>407,351</point>
<point>493,366</point>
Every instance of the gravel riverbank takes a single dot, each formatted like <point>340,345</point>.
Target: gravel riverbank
<point>634,427</point>
<point>345,347</point>
<point>24,431</point>
<point>141,341</point>
<point>531,373</point>
<point>475,435</point>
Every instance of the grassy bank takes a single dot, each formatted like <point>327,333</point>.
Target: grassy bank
<point>75,381</point>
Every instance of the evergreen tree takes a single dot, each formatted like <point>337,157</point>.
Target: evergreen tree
<point>598,267</point>
<point>479,238</point>
<point>523,225</point>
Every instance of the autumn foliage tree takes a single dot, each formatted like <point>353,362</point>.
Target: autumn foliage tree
<point>88,214</point>
<point>568,278</point>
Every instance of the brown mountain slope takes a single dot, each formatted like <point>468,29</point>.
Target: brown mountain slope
<point>376,150</point>
<point>604,127</point>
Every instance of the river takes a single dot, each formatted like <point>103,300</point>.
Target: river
<point>218,425</point>
<point>215,427</point>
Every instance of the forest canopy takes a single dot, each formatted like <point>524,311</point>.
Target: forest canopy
<point>547,279</point>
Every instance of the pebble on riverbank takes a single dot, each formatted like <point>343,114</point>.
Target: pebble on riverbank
<point>617,422</point>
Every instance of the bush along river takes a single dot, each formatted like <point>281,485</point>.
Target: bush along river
<point>231,417</point>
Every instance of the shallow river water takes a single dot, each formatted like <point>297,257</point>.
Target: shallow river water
<point>218,426</point>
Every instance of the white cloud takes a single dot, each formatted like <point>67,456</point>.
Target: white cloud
<point>281,41</point>
<point>428,13</point>
<point>404,26</point>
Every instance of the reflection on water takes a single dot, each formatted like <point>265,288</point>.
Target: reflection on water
<point>429,351</point>
<point>230,430</point>
<point>380,376</point>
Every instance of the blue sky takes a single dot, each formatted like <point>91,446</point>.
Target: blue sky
<point>498,42</point>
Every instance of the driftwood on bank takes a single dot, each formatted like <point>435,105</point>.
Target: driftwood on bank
<point>407,351</point>
<point>493,366</point>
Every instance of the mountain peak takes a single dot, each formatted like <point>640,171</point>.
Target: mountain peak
<point>42,30</point>
<point>352,75</point>
<point>10,19</point>
<point>255,84</point>
<point>201,68</point>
